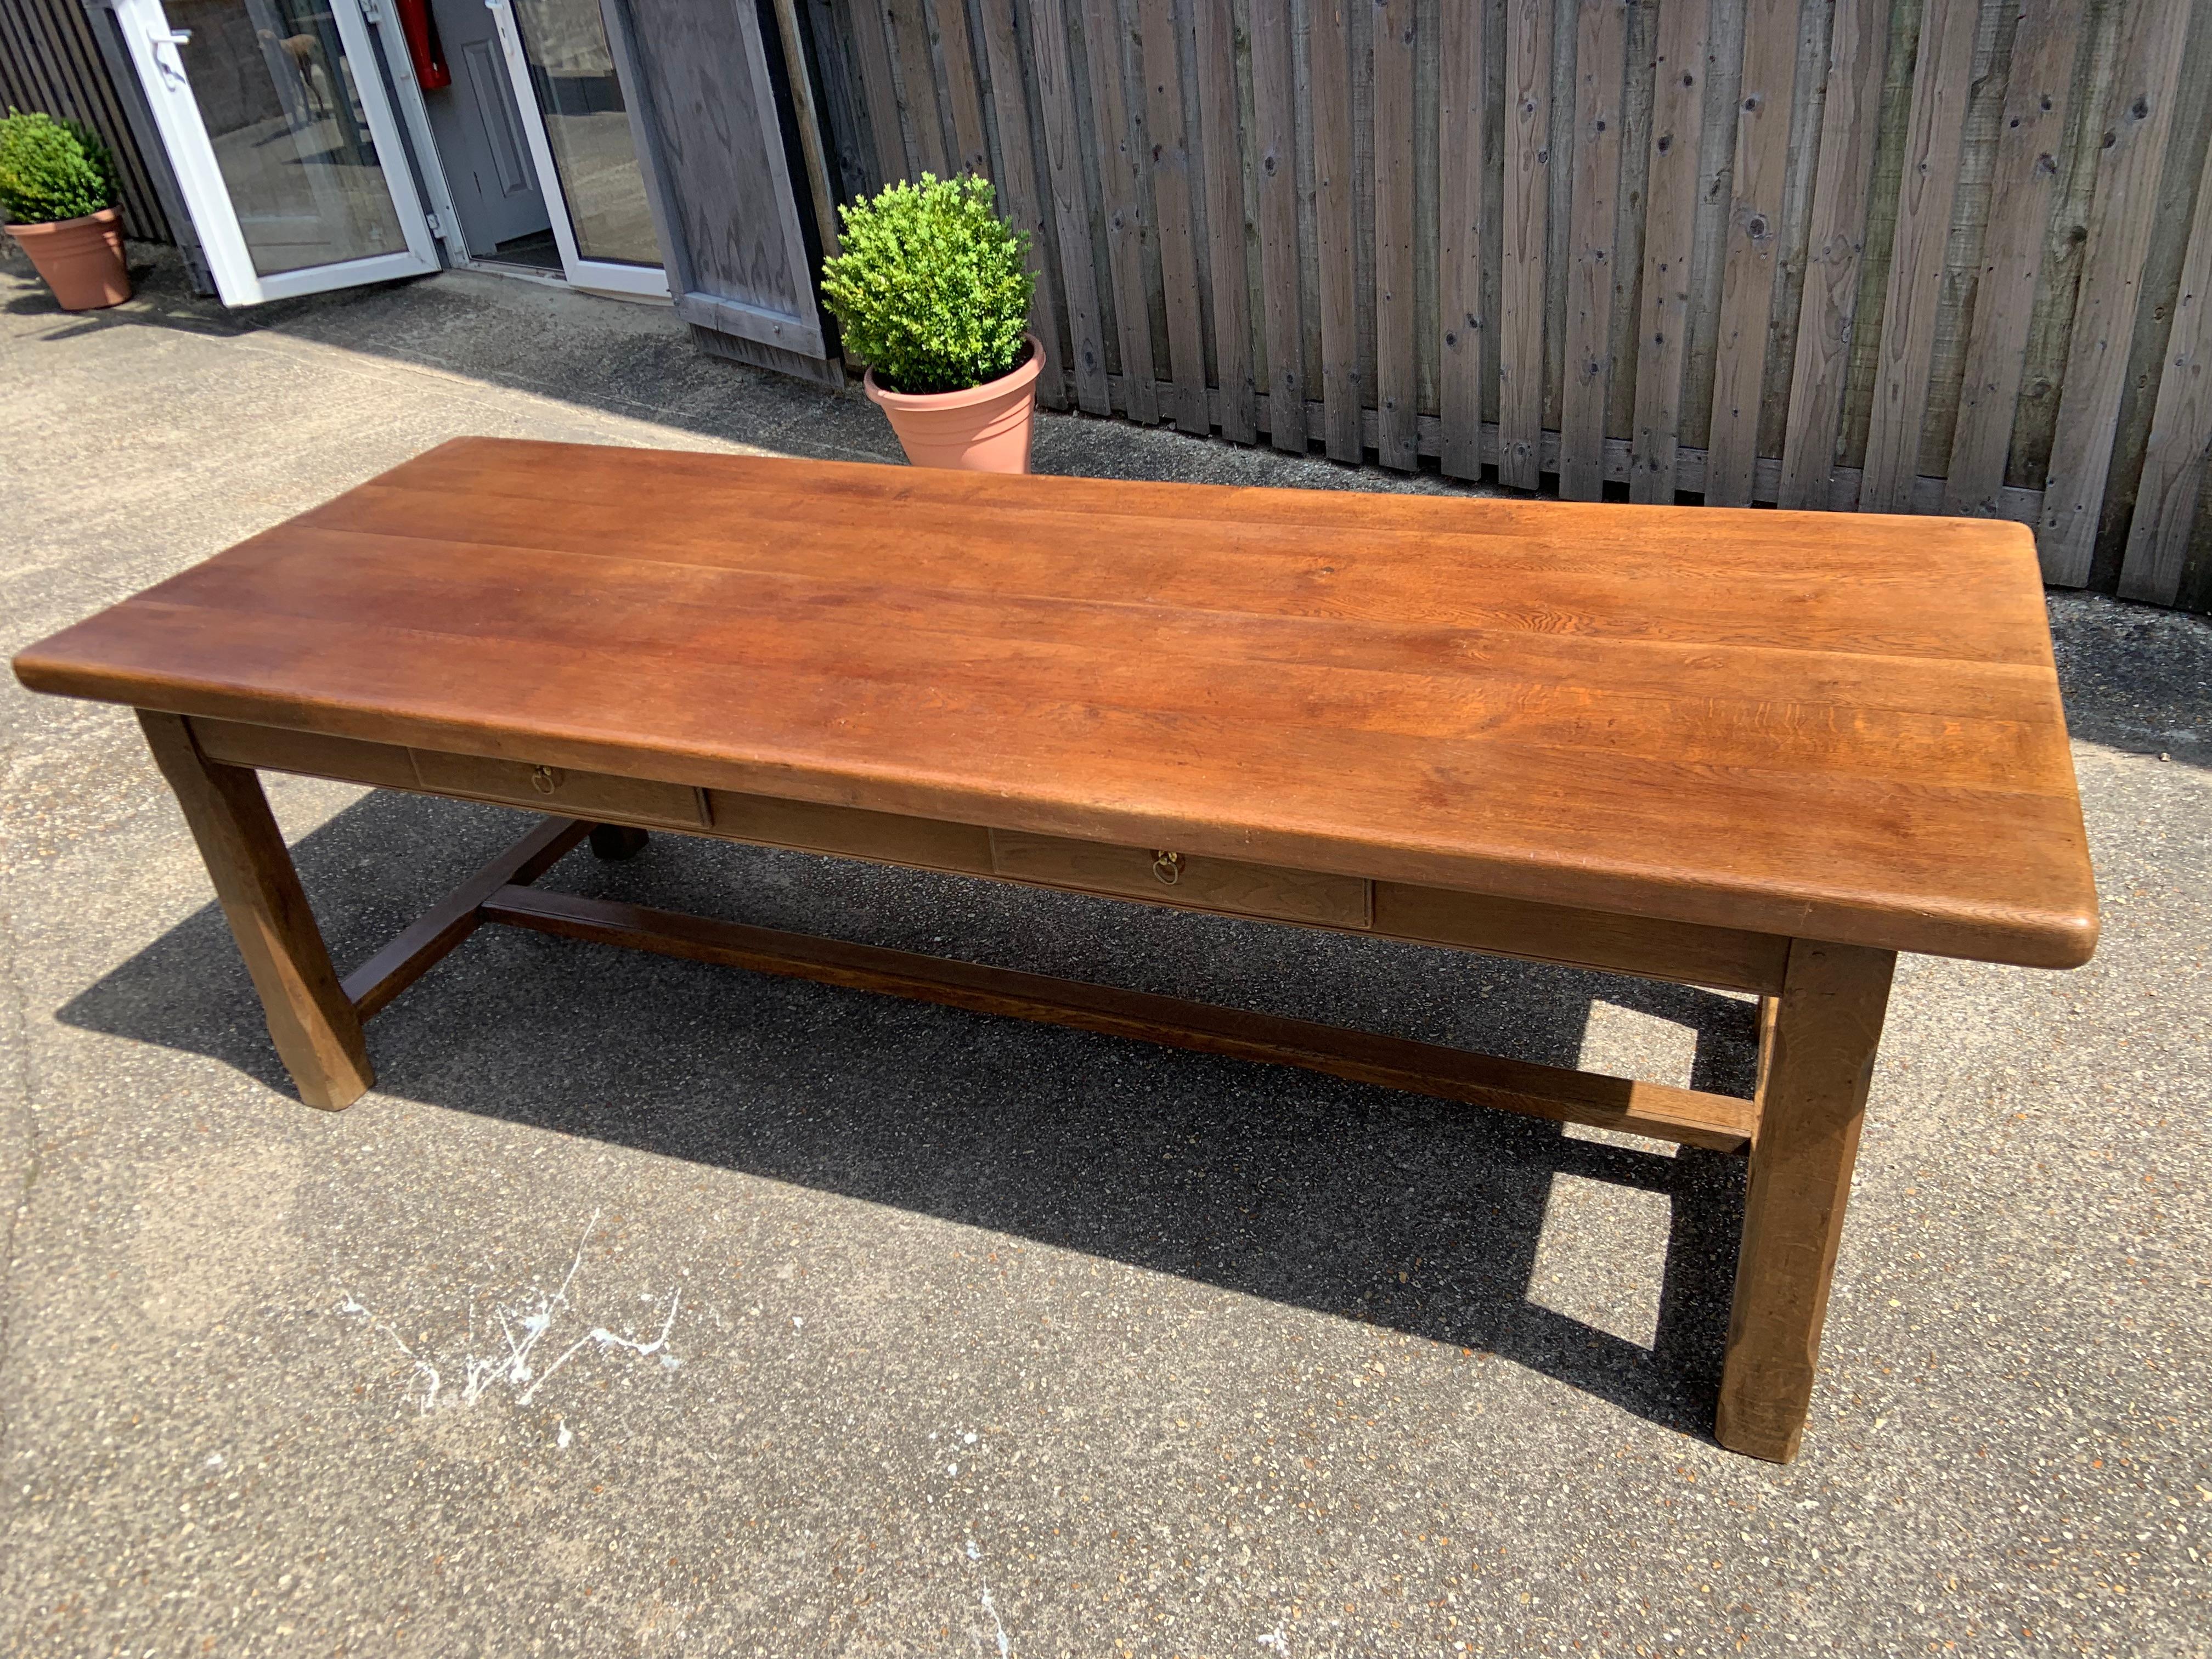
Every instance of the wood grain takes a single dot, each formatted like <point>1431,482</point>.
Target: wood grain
<point>1168,158</point>
<point>1748,270</point>
<point>1019,198</point>
<point>1459,238</point>
<point>1215,70</point>
<point>1070,213</point>
<point>2024,172</point>
<point>918,80</point>
<point>1724,958</point>
<point>1815,1064</point>
<point>1858,45</point>
<point>373,986</point>
<point>1677,121</point>
<point>2136,123</point>
<point>1118,161</point>
<point>1746,719</point>
<point>1274,109</point>
<point>1942,82</point>
<point>1334,208</point>
<point>316,1031</point>
<point>1693,1117</point>
<point>2181,432</point>
<point>1522,284</point>
<point>1599,43</point>
<point>1397,388</point>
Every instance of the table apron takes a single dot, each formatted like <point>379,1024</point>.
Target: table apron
<point>1686,953</point>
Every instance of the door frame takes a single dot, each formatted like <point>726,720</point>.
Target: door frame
<point>595,275</point>
<point>151,42</point>
<point>422,146</point>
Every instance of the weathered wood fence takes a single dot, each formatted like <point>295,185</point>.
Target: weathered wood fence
<point>50,61</point>
<point>1892,255</point>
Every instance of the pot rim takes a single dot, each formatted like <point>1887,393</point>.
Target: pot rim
<point>1023,373</point>
<point>106,215</point>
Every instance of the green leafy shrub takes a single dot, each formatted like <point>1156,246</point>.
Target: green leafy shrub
<point>933,287</point>
<point>51,170</point>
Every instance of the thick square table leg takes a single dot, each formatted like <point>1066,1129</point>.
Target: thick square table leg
<point>1816,1059</point>
<point>317,1032</point>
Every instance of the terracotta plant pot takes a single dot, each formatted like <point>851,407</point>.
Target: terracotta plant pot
<point>81,259</point>
<point>985,428</point>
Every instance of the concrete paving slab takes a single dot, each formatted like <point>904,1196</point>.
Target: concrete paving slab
<point>648,1308</point>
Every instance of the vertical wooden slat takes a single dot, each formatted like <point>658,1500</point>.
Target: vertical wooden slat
<point>1762,157</point>
<point>1332,224</point>
<point>1528,231</point>
<point>1169,159</point>
<point>1225,218</point>
<point>53,63</point>
<point>2181,431</point>
<point>872,45</point>
<point>2025,169</point>
<point>949,24</point>
<point>1397,328</point>
<point>918,82</point>
<point>1942,80</point>
<point>1671,200</point>
<point>1601,35</point>
<point>1048,64</point>
<point>1858,45</point>
<point>1125,230</point>
<point>1275,109</point>
<point>1019,195</point>
<point>2136,123</point>
<point>1397,364</point>
<point>1459,238</point>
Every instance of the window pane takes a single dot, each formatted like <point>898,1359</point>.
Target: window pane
<point>573,74</point>
<point>276,92</point>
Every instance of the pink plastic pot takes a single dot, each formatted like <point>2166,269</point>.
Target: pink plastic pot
<point>985,428</point>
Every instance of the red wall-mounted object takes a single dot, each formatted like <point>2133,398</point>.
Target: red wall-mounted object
<point>423,45</point>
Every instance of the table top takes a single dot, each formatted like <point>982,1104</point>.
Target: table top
<point>1827,725</point>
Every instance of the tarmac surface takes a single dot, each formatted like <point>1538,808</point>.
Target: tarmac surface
<point>650,1308</point>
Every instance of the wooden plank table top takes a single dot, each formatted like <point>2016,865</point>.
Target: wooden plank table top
<point>1840,728</point>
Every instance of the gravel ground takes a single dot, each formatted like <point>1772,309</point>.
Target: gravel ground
<point>854,1326</point>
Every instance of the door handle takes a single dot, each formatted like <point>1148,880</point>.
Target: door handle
<point>172,72</point>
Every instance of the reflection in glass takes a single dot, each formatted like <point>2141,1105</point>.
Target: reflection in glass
<point>572,72</point>
<point>276,92</point>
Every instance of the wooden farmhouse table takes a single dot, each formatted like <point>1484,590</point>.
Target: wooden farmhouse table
<point>1757,751</point>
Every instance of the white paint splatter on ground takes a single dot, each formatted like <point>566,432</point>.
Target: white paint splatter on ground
<point>521,1325</point>
<point>1005,1642</point>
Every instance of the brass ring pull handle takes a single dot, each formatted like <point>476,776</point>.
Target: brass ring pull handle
<point>545,779</point>
<point>1168,867</point>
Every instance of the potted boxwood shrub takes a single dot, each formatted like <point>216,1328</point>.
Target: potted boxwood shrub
<point>932,291</point>
<point>57,196</point>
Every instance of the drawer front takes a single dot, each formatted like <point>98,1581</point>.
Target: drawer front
<point>560,789</point>
<point>1201,884</point>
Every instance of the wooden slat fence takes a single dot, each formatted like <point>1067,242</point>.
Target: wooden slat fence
<point>1885,255</point>
<point>50,62</point>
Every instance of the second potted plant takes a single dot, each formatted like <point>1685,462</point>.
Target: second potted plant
<point>932,291</point>
<point>58,196</point>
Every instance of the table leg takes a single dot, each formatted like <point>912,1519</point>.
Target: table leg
<point>1816,1059</point>
<point>315,1029</point>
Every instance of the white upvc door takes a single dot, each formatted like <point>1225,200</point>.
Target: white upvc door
<point>580,138</point>
<point>283,143</point>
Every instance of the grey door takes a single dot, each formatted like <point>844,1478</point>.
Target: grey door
<point>481,142</point>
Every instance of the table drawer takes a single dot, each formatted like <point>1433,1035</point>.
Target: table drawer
<point>1201,883</point>
<point>561,789</point>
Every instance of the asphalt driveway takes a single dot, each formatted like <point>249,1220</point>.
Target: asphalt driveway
<point>653,1308</point>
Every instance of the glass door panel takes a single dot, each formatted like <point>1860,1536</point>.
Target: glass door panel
<point>579,129</point>
<point>284,146</point>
